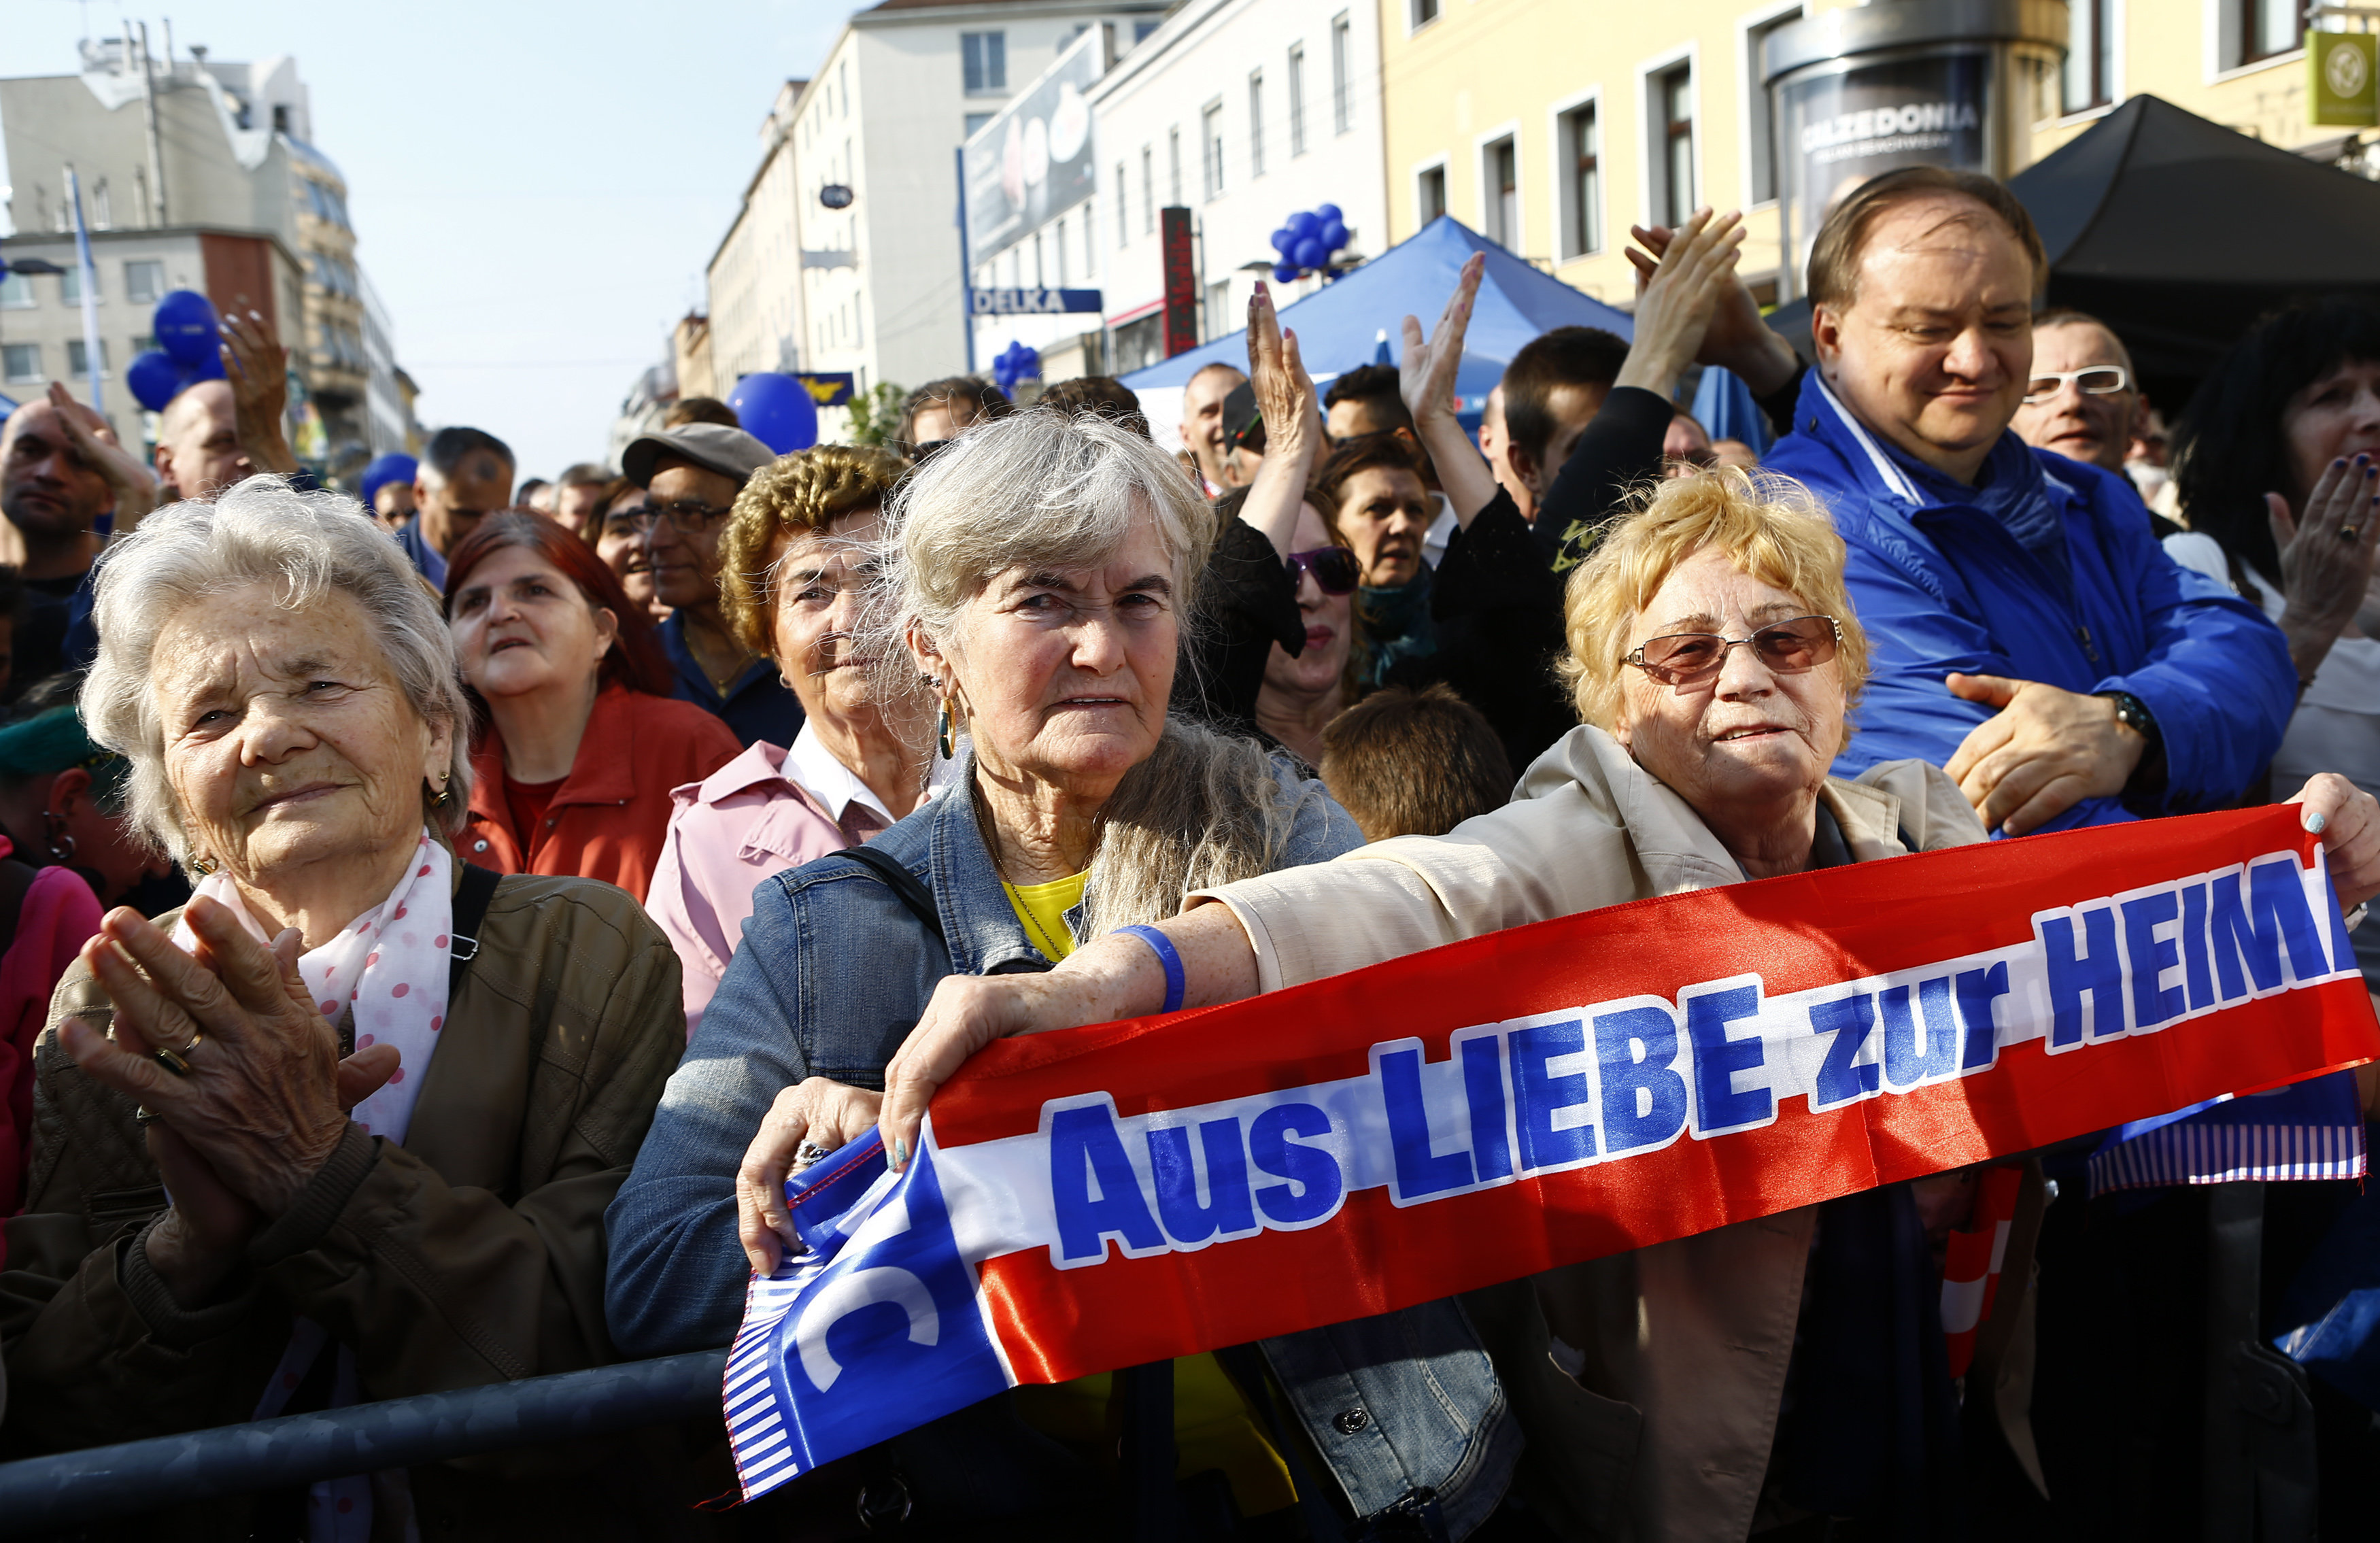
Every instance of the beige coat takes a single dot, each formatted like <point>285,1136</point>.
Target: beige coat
<point>472,1253</point>
<point>1680,1350</point>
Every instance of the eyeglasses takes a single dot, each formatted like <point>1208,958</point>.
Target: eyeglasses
<point>687,516</point>
<point>1333,567</point>
<point>1788,648</point>
<point>2099,380</point>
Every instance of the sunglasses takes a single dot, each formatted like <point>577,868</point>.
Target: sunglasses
<point>1333,567</point>
<point>1788,648</point>
<point>2099,380</point>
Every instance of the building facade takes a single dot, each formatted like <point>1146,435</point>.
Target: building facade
<point>755,277</point>
<point>41,314</point>
<point>180,142</point>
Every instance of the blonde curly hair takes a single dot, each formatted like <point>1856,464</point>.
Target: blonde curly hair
<point>808,490</point>
<point>1771,527</point>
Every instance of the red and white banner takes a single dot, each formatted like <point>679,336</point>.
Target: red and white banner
<point>1138,1191</point>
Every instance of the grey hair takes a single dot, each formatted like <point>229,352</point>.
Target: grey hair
<point>1045,489</point>
<point>302,544</point>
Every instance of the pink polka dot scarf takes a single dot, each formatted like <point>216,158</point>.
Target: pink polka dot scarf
<point>391,965</point>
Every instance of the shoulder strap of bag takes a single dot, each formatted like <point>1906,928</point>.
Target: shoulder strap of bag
<point>907,886</point>
<point>471,897</point>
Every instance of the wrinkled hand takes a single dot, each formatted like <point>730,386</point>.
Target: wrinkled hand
<point>967,1012</point>
<point>819,1109</point>
<point>2044,751</point>
<point>2325,580</point>
<point>263,1102</point>
<point>258,368</point>
<point>2347,818</point>
<point>1737,339</point>
<point>1426,369</point>
<point>96,446</point>
<point>1678,298</point>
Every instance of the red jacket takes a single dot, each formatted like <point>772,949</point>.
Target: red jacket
<point>608,818</point>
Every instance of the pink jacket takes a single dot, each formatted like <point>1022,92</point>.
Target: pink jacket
<point>58,915</point>
<point>727,832</point>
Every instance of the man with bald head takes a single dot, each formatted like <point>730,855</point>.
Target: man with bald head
<point>198,443</point>
<point>464,476</point>
<point>1202,427</point>
<point>2084,398</point>
<point>2028,635</point>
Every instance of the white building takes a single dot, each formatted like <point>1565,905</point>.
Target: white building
<point>755,278</point>
<point>879,288</point>
<point>1245,112</point>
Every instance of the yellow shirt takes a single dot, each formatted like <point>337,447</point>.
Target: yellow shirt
<point>1042,909</point>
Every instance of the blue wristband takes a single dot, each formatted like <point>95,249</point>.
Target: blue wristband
<point>1176,985</point>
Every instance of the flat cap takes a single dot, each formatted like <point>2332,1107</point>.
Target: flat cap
<point>712,446</point>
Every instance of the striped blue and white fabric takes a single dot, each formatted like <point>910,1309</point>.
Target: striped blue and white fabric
<point>2308,1130</point>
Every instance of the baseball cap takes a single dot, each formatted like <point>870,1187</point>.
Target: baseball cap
<point>712,446</point>
<point>1242,424</point>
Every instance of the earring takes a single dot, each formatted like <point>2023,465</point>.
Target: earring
<point>942,731</point>
<point>202,867</point>
<point>445,794</point>
<point>61,841</point>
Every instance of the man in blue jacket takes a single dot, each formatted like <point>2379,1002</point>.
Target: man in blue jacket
<point>2028,634</point>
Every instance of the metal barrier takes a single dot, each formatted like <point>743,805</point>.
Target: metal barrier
<point>41,1494</point>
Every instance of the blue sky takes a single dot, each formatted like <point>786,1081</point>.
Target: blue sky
<point>536,189</point>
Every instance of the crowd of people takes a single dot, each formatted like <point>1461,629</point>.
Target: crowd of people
<point>437,920</point>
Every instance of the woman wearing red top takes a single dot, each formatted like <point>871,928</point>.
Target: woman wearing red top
<point>582,741</point>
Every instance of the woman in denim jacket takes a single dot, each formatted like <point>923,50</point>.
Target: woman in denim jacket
<point>1036,579</point>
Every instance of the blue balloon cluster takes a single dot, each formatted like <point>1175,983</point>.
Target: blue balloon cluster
<point>1308,242</point>
<point>1014,363</point>
<point>777,410</point>
<point>190,350</point>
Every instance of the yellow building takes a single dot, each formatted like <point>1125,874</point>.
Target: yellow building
<point>1554,125</point>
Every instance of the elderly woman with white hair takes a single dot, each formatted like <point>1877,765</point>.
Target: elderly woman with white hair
<point>1042,570</point>
<point>1759,1375</point>
<point>344,1128</point>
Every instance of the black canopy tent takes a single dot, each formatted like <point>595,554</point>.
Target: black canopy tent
<point>2179,232</point>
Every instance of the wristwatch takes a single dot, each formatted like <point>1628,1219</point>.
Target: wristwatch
<point>2134,714</point>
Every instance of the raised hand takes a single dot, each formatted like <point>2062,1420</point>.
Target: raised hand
<point>2326,558</point>
<point>258,368</point>
<point>1292,421</point>
<point>1736,338</point>
<point>95,443</point>
<point>1678,298</point>
<point>1426,379</point>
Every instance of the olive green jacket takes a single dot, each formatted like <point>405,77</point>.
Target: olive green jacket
<point>471,1254</point>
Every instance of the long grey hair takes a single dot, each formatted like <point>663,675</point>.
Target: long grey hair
<point>1047,490</point>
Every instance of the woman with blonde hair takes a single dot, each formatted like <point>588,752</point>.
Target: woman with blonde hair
<point>793,566</point>
<point>1714,655</point>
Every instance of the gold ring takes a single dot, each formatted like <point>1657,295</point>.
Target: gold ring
<point>2347,532</point>
<point>171,1060</point>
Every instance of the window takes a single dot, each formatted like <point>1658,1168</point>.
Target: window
<point>1500,187</point>
<point>1210,150</point>
<point>2090,73</point>
<point>1581,191</point>
<point>1173,165</point>
<point>985,55</point>
<point>1090,238</point>
<point>16,292</point>
<point>1341,46</point>
<point>1671,98</point>
<point>1140,30</point>
<point>70,286</point>
<point>1255,122</point>
<point>1420,14</point>
<point>78,363</point>
<point>842,78</point>
<point>1760,111</point>
<point>975,122</point>
<point>1148,191</point>
<point>144,282</point>
<point>1219,310</point>
<point>1297,100</point>
<point>1062,279</point>
<point>1429,195</point>
<point>1124,215</point>
<point>2270,27</point>
<point>20,362</point>
<point>1040,278</point>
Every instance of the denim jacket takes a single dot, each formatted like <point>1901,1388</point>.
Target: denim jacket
<point>833,973</point>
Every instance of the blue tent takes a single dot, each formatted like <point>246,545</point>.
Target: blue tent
<point>1340,325</point>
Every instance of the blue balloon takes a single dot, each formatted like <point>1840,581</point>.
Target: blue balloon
<point>1303,225</point>
<point>1334,234</point>
<point>156,377</point>
<point>209,369</point>
<point>185,326</point>
<point>1285,272</point>
<point>1311,253</point>
<point>1329,214</point>
<point>1282,240</point>
<point>777,410</point>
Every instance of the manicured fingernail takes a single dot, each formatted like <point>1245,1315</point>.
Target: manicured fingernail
<point>900,1148</point>
<point>2314,821</point>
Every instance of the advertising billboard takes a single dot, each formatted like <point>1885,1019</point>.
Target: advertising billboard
<point>1035,161</point>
